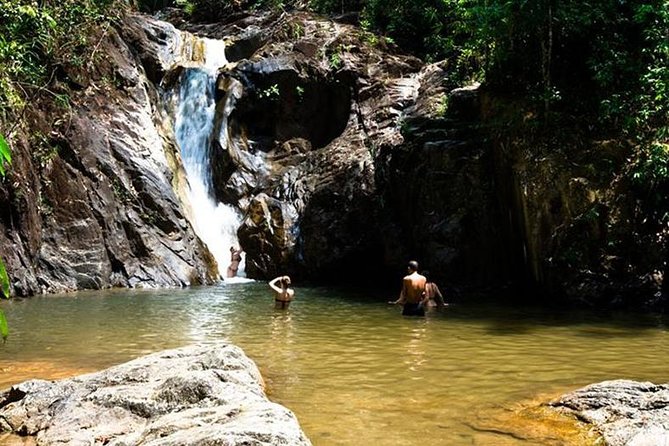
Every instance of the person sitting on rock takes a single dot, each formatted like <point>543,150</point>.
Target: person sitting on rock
<point>284,295</point>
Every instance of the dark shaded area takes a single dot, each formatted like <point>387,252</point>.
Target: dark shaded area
<point>13,395</point>
<point>279,105</point>
<point>246,46</point>
<point>439,197</point>
<point>365,267</point>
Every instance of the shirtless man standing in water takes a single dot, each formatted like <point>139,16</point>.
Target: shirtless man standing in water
<point>413,294</point>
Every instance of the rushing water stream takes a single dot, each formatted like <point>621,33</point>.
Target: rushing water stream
<point>195,130</point>
<point>352,368</point>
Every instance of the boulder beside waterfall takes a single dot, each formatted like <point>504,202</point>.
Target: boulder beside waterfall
<point>196,395</point>
<point>626,413</point>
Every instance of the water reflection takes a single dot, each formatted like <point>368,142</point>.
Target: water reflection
<point>416,354</point>
<point>352,368</point>
<point>282,328</point>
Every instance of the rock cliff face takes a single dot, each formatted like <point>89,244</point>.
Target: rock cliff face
<point>371,158</point>
<point>322,106</point>
<point>341,153</point>
<point>195,395</point>
<point>317,103</point>
<point>90,199</point>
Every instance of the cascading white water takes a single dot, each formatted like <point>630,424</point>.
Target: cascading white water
<point>215,223</point>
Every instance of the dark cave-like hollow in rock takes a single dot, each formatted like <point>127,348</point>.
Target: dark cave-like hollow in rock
<point>278,111</point>
<point>280,106</point>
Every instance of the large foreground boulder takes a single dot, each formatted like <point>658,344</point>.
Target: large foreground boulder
<point>197,395</point>
<point>627,413</point>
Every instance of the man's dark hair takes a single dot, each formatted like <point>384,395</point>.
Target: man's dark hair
<point>413,265</point>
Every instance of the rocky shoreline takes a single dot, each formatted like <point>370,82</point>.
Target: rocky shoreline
<point>626,413</point>
<point>196,395</point>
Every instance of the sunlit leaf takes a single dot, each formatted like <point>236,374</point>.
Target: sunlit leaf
<point>4,280</point>
<point>5,153</point>
<point>4,329</point>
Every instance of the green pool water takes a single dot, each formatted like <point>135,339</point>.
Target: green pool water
<point>355,371</point>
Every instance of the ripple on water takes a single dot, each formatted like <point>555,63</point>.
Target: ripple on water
<point>352,368</point>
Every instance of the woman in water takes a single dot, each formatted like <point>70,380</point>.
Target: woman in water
<point>282,295</point>
<point>235,260</point>
<point>433,294</point>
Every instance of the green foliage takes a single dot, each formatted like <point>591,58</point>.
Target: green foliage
<point>654,99</point>
<point>442,106</point>
<point>271,92</point>
<point>419,25</point>
<point>43,150</point>
<point>5,156</point>
<point>334,60</point>
<point>651,169</point>
<point>4,329</point>
<point>271,4</point>
<point>36,39</point>
<point>295,30</point>
<point>645,112</point>
<point>299,90</point>
<point>214,10</point>
<point>151,6</point>
<point>4,280</point>
<point>189,7</point>
<point>335,6</point>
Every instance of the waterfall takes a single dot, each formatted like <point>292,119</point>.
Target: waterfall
<point>215,223</point>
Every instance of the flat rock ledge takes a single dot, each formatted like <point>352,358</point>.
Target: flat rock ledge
<point>626,413</point>
<point>198,395</point>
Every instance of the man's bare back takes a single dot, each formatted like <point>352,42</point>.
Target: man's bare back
<point>413,287</point>
<point>413,295</point>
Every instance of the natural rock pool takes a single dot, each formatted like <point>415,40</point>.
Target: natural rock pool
<point>353,369</point>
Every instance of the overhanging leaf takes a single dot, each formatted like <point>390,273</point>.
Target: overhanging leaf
<point>5,153</point>
<point>4,329</point>
<point>4,280</point>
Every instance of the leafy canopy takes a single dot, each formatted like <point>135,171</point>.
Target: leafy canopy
<point>38,39</point>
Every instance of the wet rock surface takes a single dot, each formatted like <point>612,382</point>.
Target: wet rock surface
<point>90,201</point>
<point>313,107</point>
<point>194,395</point>
<point>626,413</point>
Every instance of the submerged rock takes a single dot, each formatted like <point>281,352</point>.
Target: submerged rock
<point>627,413</point>
<point>197,395</point>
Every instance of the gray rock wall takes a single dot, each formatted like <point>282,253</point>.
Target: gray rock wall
<point>90,200</point>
